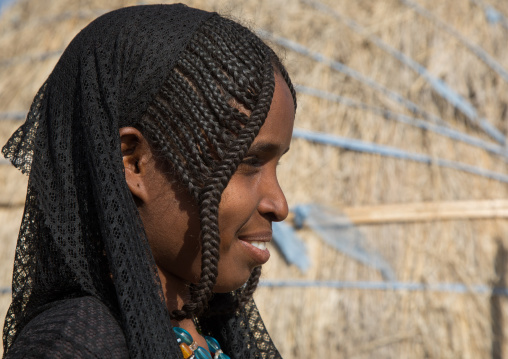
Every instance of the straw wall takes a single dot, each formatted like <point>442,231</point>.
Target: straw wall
<point>448,241</point>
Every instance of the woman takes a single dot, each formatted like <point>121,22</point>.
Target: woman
<point>151,152</point>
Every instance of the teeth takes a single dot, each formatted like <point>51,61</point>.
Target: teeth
<point>260,245</point>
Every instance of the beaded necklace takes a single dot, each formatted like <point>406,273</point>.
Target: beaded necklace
<point>191,350</point>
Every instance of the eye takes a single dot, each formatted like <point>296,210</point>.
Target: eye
<point>253,161</point>
<point>250,165</point>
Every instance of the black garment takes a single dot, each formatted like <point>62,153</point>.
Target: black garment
<point>81,235</point>
<point>74,328</point>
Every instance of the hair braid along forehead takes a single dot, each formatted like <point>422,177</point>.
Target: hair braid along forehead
<point>211,195</point>
<point>202,123</point>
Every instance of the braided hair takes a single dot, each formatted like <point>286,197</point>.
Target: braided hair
<point>201,124</point>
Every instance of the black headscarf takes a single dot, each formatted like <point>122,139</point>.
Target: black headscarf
<point>81,234</point>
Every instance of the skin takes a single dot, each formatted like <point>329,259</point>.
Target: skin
<point>249,204</point>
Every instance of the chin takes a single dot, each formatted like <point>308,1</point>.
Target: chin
<point>229,285</point>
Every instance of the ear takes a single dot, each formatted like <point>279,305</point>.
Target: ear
<point>137,157</point>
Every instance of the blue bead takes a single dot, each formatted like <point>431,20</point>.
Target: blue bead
<point>223,356</point>
<point>183,335</point>
<point>202,353</point>
<point>213,344</point>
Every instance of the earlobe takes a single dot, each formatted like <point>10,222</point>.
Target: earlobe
<point>136,155</point>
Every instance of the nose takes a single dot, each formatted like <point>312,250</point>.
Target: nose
<point>273,203</point>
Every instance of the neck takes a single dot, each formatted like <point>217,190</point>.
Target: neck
<point>176,290</point>
<point>176,293</point>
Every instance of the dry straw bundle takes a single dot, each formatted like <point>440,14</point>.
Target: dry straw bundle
<point>412,96</point>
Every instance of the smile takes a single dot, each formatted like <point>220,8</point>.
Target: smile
<point>255,246</point>
<point>259,245</point>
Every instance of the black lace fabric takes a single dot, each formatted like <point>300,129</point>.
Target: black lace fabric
<point>243,333</point>
<point>74,328</point>
<point>81,235</point>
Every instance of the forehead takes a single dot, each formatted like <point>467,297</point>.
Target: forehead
<point>278,126</point>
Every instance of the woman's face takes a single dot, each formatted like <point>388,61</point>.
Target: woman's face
<point>250,203</point>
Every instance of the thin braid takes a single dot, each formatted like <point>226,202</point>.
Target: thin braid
<point>198,161</point>
<point>176,139</point>
<point>218,77</point>
<point>229,70</point>
<point>227,43</point>
<point>202,123</point>
<point>160,142</point>
<point>250,287</point>
<point>286,78</point>
<point>205,118</point>
<point>232,68</point>
<point>221,108</point>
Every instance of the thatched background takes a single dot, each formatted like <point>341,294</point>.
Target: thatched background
<point>355,322</point>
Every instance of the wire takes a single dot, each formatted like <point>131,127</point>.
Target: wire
<point>412,121</point>
<point>338,66</point>
<point>446,92</point>
<point>392,286</point>
<point>369,147</point>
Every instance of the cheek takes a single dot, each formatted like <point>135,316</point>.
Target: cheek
<point>172,229</point>
<point>237,206</point>
<point>174,242</point>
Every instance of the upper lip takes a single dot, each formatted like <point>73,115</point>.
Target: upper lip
<point>257,237</point>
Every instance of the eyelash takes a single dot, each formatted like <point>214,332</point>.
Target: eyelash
<point>252,161</point>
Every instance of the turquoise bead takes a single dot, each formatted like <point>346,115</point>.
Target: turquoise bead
<point>183,335</point>
<point>202,353</point>
<point>213,344</point>
<point>223,356</point>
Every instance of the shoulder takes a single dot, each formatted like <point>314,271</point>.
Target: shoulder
<point>74,328</point>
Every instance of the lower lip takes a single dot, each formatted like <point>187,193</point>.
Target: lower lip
<point>260,256</point>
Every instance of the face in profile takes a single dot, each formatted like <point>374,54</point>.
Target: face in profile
<point>249,204</point>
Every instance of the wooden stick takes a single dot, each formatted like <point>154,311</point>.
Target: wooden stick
<point>427,211</point>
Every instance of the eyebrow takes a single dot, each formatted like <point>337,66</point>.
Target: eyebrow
<point>266,147</point>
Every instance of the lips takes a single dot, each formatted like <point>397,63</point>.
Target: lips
<point>259,245</point>
<point>255,246</point>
